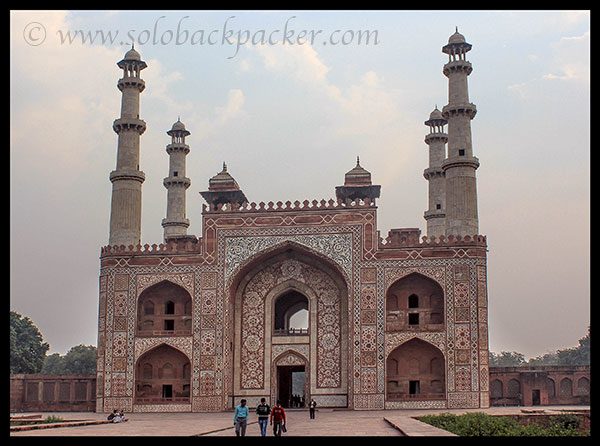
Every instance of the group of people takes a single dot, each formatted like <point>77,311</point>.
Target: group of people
<point>274,416</point>
<point>297,401</point>
<point>117,416</point>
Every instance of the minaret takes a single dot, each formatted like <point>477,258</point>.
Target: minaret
<point>460,165</point>
<point>176,223</point>
<point>436,140</point>
<point>127,178</point>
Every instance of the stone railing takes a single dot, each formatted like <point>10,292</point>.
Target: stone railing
<point>292,206</point>
<point>188,246</point>
<point>424,242</point>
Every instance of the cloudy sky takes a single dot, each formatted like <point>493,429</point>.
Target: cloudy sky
<point>289,117</point>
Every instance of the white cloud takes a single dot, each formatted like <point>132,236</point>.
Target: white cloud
<point>571,58</point>
<point>299,61</point>
<point>235,101</point>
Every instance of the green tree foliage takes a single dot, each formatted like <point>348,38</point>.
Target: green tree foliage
<point>27,346</point>
<point>579,355</point>
<point>507,359</point>
<point>79,360</point>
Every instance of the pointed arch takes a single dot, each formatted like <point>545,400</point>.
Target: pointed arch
<point>162,376</point>
<point>414,301</point>
<point>164,308</point>
<point>286,246</point>
<point>289,269</point>
<point>415,370</point>
<point>290,357</point>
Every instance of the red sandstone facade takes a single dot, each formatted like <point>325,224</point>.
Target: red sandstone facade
<point>52,393</point>
<point>281,300</point>
<point>539,386</point>
<point>393,323</point>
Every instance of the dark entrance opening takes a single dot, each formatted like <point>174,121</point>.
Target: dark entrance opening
<point>414,387</point>
<point>167,391</point>
<point>535,397</point>
<point>290,385</point>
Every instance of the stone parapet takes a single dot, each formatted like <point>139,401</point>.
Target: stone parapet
<point>458,66</point>
<point>131,82</point>
<point>129,124</point>
<point>135,175</point>
<point>279,206</point>
<point>424,242</point>
<point>460,161</point>
<point>466,108</point>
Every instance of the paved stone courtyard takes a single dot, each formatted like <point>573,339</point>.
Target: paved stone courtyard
<point>328,422</point>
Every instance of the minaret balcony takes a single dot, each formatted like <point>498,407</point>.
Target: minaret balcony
<point>127,123</point>
<point>175,222</point>
<point>458,66</point>
<point>433,172</point>
<point>135,175</point>
<point>455,109</point>
<point>436,213</point>
<point>177,181</point>
<point>460,161</point>
<point>178,147</point>
<point>131,82</point>
<point>436,137</point>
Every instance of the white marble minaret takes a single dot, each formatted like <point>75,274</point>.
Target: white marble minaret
<point>460,164</point>
<point>436,139</point>
<point>127,178</point>
<point>176,224</point>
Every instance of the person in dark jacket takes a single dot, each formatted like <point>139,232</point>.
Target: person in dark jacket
<point>263,410</point>
<point>311,407</point>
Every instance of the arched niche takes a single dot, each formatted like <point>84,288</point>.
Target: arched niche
<point>277,286</point>
<point>414,302</point>
<point>162,375</point>
<point>164,309</point>
<point>415,370</point>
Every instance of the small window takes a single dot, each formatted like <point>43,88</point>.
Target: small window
<point>175,173</point>
<point>169,324</point>
<point>461,152</point>
<point>438,206</point>
<point>170,307</point>
<point>413,319</point>
<point>413,301</point>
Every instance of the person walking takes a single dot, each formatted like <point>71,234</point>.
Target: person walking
<point>240,418</point>
<point>263,410</point>
<point>278,417</point>
<point>311,408</point>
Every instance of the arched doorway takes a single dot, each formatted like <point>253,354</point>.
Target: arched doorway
<point>291,315</point>
<point>290,383</point>
<point>290,301</point>
<point>162,376</point>
<point>415,370</point>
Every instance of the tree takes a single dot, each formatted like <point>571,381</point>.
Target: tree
<point>507,359</point>
<point>27,346</point>
<point>79,360</point>
<point>579,355</point>
<point>54,365</point>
